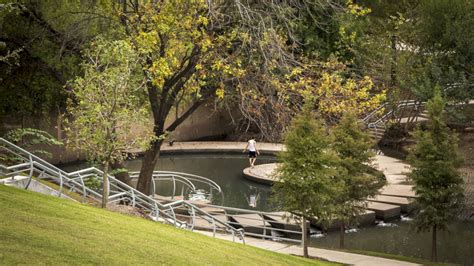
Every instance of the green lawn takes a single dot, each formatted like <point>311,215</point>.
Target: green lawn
<point>35,228</point>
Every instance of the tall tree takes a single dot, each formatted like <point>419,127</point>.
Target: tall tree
<point>437,183</point>
<point>353,145</point>
<point>187,57</point>
<point>306,178</point>
<point>105,107</point>
<point>46,38</point>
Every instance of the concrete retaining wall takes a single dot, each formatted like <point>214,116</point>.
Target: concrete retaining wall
<point>22,181</point>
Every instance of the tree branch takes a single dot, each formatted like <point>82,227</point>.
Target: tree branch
<point>185,115</point>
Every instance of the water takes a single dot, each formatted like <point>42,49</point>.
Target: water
<point>224,169</point>
<point>454,246</point>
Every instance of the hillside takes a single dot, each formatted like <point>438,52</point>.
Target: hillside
<point>35,228</point>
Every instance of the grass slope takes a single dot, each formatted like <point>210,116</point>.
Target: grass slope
<point>35,228</point>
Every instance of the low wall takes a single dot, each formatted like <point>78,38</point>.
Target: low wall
<point>22,181</point>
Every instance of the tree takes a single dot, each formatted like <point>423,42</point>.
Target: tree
<point>330,85</point>
<point>306,178</point>
<point>42,42</point>
<point>186,56</point>
<point>105,107</point>
<point>437,183</point>
<point>353,145</point>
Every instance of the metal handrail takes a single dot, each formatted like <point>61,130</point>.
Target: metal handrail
<point>154,207</point>
<point>401,104</point>
<point>193,177</point>
<point>186,176</point>
<point>231,211</point>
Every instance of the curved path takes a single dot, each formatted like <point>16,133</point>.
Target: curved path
<point>393,169</point>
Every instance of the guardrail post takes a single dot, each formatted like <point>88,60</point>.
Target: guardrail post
<point>174,187</point>
<point>193,213</point>
<point>60,184</point>
<point>157,211</point>
<point>174,216</point>
<point>30,176</point>
<point>84,193</point>
<point>133,198</point>
<point>153,189</point>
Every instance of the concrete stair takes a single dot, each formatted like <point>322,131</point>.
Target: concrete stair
<point>397,190</point>
<point>384,211</point>
<point>406,204</point>
<point>377,133</point>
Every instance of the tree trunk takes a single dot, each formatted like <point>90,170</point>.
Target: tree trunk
<point>148,166</point>
<point>105,186</point>
<point>341,235</point>
<point>304,238</point>
<point>434,253</point>
<point>122,176</point>
<point>393,62</point>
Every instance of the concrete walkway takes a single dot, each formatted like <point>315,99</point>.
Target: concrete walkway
<point>324,254</point>
<point>394,169</point>
<point>215,147</point>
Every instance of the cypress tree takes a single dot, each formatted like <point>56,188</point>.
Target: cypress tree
<point>437,183</point>
<point>353,145</point>
<point>307,175</point>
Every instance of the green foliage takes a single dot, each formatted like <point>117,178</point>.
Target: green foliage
<point>42,42</point>
<point>30,137</point>
<point>308,172</point>
<point>107,102</point>
<point>435,160</point>
<point>353,145</point>
<point>93,183</point>
<point>107,105</point>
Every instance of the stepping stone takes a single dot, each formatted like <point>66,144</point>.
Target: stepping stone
<point>251,223</point>
<point>407,205</point>
<point>384,211</point>
<point>365,219</point>
<point>262,173</point>
<point>398,191</point>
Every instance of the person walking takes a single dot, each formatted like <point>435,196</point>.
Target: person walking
<point>253,151</point>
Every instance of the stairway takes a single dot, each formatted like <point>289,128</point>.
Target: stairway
<point>377,132</point>
<point>376,122</point>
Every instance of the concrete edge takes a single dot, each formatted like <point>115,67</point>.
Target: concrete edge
<point>256,178</point>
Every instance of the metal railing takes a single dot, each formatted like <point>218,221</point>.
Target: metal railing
<point>264,225</point>
<point>380,121</point>
<point>189,181</point>
<point>31,165</point>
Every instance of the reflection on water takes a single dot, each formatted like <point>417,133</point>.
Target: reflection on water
<point>254,197</point>
<point>224,169</point>
<point>455,245</point>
